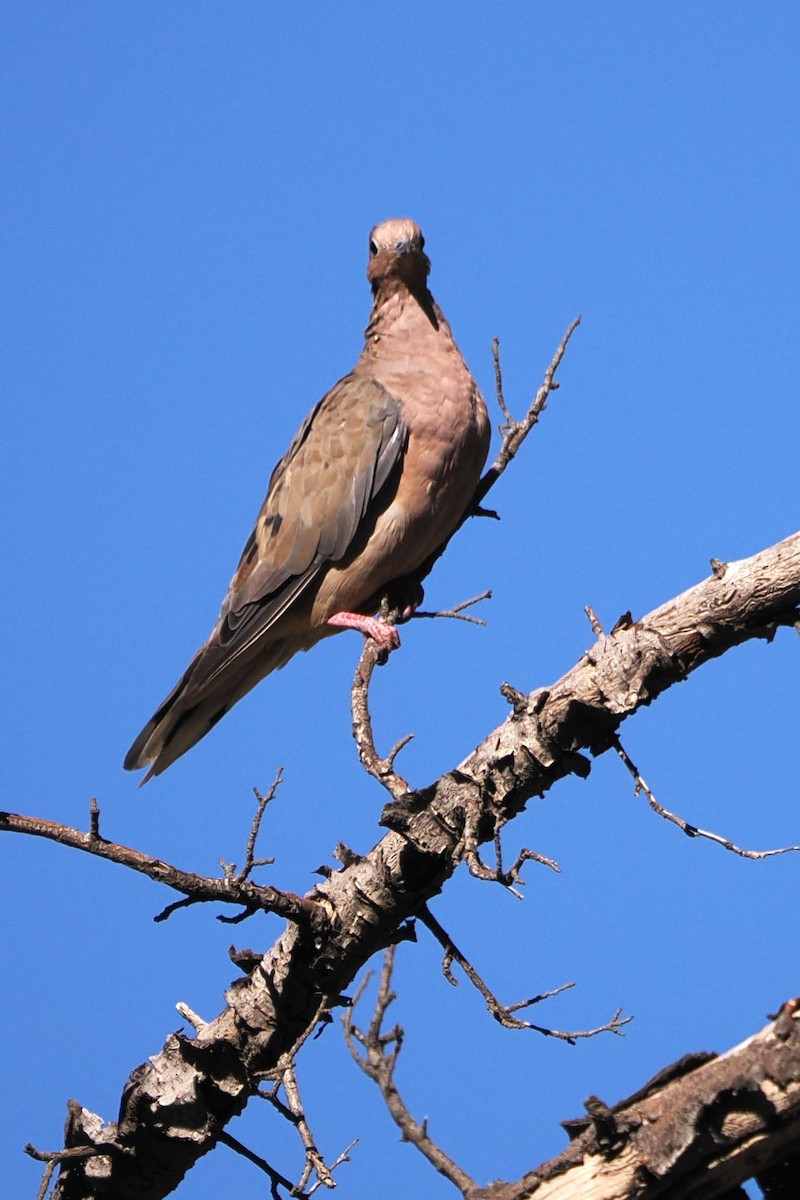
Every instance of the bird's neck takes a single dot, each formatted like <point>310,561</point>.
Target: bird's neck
<point>398,306</point>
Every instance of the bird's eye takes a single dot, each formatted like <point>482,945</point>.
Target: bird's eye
<point>373,247</point>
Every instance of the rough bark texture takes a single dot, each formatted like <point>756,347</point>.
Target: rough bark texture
<point>174,1106</point>
<point>695,1136</point>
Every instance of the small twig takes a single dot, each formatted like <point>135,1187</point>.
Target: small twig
<point>244,915</point>
<point>457,611</point>
<point>525,855</point>
<point>467,850</point>
<point>597,628</point>
<point>46,1177</point>
<point>344,1157</point>
<point>55,1158</point>
<point>167,912</point>
<point>379,1059</point>
<point>276,1179</point>
<point>515,432</point>
<point>294,1112</point>
<point>314,1160</point>
<point>498,384</point>
<point>517,699</point>
<point>503,1013</point>
<point>250,862</point>
<point>690,830</point>
<point>191,1016</point>
<point>94,818</point>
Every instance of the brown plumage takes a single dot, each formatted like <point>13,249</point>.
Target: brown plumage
<point>377,478</point>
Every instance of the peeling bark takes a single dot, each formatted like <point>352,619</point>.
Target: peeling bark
<point>693,1137</point>
<point>175,1106</point>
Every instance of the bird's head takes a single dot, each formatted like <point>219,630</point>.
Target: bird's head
<point>396,250</point>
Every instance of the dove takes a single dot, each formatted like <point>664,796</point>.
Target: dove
<point>378,477</point>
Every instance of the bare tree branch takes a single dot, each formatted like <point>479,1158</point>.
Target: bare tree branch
<point>231,889</point>
<point>457,612</point>
<point>698,1130</point>
<point>381,769</point>
<point>250,861</point>
<point>504,1013</point>
<point>513,435</point>
<point>277,1180</point>
<point>690,830</point>
<point>515,432</point>
<point>175,1106</point>
<point>378,1061</point>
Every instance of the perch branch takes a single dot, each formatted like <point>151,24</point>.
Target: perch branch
<point>381,769</point>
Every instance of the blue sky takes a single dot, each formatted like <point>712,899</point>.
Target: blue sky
<point>189,189</point>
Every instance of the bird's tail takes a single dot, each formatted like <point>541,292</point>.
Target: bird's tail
<point>192,709</point>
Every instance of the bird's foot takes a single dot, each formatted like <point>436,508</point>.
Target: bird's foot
<point>380,631</point>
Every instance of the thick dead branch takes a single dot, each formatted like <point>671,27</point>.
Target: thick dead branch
<point>176,1104</point>
<point>694,1133</point>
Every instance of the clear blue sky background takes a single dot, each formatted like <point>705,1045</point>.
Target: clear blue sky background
<point>188,193</point>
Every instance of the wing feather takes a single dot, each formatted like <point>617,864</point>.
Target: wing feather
<point>319,494</point>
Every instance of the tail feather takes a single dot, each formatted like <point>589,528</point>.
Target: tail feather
<point>190,712</point>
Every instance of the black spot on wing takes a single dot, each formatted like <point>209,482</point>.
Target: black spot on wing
<point>250,549</point>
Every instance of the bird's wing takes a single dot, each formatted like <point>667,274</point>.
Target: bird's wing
<point>343,456</point>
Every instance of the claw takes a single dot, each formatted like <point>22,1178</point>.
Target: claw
<point>384,634</point>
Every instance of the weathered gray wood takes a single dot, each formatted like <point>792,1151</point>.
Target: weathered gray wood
<point>176,1104</point>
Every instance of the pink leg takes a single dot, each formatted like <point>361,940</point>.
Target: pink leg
<point>379,631</point>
